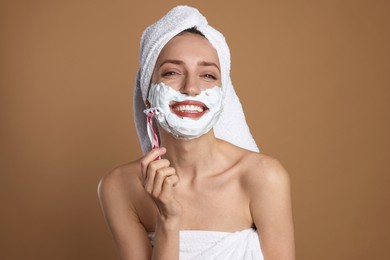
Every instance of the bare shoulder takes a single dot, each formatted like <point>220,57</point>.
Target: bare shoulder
<point>263,172</point>
<point>268,186</point>
<point>120,184</point>
<point>119,193</point>
<point>120,176</point>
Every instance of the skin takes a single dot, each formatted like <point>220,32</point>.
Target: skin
<point>199,184</point>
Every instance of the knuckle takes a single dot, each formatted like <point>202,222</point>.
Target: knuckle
<point>166,162</point>
<point>168,181</point>
<point>143,163</point>
<point>161,172</point>
<point>172,170</point>
<point>152,167</point>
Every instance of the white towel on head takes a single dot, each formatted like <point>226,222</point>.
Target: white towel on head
<point>202,244</point>
<point>231,126</point>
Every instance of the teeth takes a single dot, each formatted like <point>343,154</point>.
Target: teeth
<point>189,108</point>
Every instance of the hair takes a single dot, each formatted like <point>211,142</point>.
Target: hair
<point>192,30</point>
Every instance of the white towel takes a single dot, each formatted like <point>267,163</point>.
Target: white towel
<point>205,245</point>
<point>231,126</point>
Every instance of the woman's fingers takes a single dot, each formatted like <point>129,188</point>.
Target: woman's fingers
<point>159,179</point>
<point>169,182</point>
<point>151,172</point>
<point>166,203</point>
<point>150,157</point>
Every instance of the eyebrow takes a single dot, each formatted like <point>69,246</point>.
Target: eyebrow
<point>201,63</point>
<point>208,63</point>
<point>178,62</point>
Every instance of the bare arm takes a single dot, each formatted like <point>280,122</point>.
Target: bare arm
<point>160,180</point>
<point>271,210</point>
<point>128,232</point>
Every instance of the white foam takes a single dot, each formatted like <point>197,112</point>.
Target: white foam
<point>161,96</point>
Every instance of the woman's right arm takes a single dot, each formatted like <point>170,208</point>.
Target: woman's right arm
<point>128,232</point>
<point>159,182</point>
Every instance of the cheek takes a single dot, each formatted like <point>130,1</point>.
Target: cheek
<point>174,83</point>
<point>214,83</point>
<point>154,78</point>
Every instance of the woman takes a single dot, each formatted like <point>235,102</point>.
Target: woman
<point>197,196</point>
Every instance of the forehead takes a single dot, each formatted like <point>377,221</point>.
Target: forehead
<point>189,46</point>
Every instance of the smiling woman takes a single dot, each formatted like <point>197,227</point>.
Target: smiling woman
<point>206,193</point>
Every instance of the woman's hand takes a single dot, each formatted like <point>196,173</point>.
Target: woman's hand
<point>159,181</point>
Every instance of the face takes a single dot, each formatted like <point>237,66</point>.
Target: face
<point>186,86</point>
<point>188,63</point>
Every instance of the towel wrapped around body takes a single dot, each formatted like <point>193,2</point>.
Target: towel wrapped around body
<point>205,245</point>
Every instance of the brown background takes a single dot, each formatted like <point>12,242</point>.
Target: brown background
<point>313,77</point>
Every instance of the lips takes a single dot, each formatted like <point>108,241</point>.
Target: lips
<point>189,108</point>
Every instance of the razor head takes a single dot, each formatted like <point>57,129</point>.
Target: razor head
<point>153,110</point>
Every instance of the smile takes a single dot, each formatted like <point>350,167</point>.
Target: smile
<point>189,108</point>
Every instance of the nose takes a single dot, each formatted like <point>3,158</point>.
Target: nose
<point>190,86</point>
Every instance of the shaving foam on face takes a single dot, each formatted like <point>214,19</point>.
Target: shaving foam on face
<point>161,96</point>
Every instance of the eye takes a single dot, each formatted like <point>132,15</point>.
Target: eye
<point>209,76</point>
<point>169,73</point>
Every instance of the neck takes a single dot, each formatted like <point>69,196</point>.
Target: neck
<point>191,158</point>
